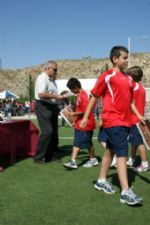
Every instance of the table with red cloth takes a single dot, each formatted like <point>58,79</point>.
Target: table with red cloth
<point>18,139</point>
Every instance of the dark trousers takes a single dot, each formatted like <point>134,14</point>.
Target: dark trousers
<point>47,116</point>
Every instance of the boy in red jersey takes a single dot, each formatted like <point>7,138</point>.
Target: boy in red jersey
<point>82,136</point>
<point>115,87</point>
<point>136,140</point>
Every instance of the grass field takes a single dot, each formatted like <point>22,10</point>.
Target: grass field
<point>32,194</point>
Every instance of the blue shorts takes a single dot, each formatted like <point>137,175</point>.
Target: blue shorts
<point>135,137</point>
<point>102,135</point>
<point>116,139</point>
<point>83,139</point>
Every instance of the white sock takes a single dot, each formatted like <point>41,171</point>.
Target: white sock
<point>131,160</point>
<point>73,160</point>
<point>101,180</point>
<point>124,191</point>
<point>92,158</point>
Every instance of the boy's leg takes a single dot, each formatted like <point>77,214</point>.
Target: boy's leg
<point>122,172</point>
<point>127,195</point>
<point>144,166</point>
<point>102,183</point>
<point>77,139</point>
<point>106,162</point>
<point>137,144</point>
<point>133,151</point>
<point>131,159</point>
<point>75,152</point>
<point>142,152</point>
<point>91,152</point>
<point>93,160</point>
<point>104,146</point>
<point>72,163</point>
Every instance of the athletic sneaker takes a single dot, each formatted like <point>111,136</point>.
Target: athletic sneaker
<point>130,162</point>
<point>141,168</point>
<point>90,163</point>
<point>130,198</point>
<point>105,186</point>
<point>71,164</point>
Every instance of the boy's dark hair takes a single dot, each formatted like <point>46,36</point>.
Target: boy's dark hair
<point>136,73</point>
<point>116,51</point>
<point>73,83</point>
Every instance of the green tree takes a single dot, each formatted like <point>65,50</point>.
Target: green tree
<point>104,68</point>
<point>30,88</point>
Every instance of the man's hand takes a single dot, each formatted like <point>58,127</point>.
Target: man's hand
<point>60,97</point>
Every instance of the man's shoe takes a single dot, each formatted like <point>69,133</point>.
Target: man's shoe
<point>71,164</point>
<point>39,161</point>
<point>130,198</point>
<point>90,163</point>
<point>106,187</point>
<point>55,159</point>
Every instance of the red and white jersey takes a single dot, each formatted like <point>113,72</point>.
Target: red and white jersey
<point>81,104</point>
<point>116,91</point>
<point>139,99</point>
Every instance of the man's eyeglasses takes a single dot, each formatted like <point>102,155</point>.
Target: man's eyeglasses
<point>52,69</point>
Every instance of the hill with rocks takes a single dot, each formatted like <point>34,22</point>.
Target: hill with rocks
<point>18,80</point>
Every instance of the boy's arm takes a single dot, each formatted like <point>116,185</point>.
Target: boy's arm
<point>89,108</point>
<point>75,113</point>
<point>135,110</point>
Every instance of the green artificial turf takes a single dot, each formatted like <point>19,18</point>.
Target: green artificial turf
<point>33,194</point>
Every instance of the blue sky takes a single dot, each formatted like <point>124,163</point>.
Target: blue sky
<point>34,31</point>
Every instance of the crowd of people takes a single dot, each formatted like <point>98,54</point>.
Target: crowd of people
<point>10,107</point>
<point>123,102</point>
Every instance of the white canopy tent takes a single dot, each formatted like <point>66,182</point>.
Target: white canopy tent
<point>8,94</point>
<point>87,84</point>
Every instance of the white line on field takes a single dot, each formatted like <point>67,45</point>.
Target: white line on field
<point>73,138</point>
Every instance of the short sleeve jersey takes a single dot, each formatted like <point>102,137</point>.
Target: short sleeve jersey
<point>139,98</point>
<point>81,104</point>
<point>117,91</point>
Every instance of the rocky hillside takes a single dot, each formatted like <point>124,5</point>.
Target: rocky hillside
<point>17,80</point>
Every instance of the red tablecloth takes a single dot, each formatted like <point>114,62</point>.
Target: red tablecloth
<point>18,138</point>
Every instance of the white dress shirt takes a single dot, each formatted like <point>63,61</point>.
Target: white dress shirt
<point>44,84</point>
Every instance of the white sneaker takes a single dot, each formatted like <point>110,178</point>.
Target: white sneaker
<point>105,186</point>
<point>71,164</point>
<point>141,168</point>
<point>90,163</point>
<point>130,162</point>
<point>130,198</point>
